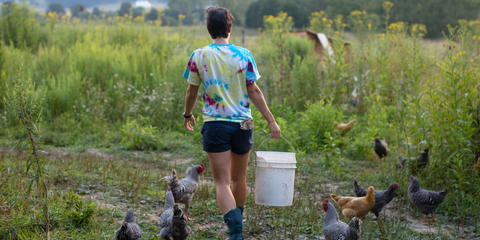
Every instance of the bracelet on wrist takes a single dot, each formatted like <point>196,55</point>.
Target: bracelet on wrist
<point>187,116</point>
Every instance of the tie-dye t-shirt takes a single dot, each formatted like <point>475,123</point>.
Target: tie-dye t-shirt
<point>224,71</point>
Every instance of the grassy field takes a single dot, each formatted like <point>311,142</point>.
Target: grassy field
<point>89,124</point>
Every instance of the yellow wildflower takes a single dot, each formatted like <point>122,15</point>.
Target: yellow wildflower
<point>387,5</point>
<point>356,13</point>
<point>52,15</point>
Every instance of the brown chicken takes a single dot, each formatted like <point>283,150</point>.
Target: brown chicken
<point>356,206</point>
<point>184,189</point>
<point>345,127</point>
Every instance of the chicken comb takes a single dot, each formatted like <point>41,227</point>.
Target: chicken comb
<point>325,206</point>
<point>202,168</point>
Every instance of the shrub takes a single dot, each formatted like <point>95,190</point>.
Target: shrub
<point>315,126</point>
<point>73,212</point>
<point>140,135</point>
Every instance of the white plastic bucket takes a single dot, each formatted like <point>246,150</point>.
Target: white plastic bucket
<point>274,178</point>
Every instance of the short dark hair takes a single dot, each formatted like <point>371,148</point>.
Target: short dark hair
<point>219,21</point>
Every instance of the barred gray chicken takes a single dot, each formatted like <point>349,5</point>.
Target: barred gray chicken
<point>180,228</point>
<point>167,216</point>
<point>425,200</point>
<point>334,229</point>
<point>129,229</point>
<point>184,189</point>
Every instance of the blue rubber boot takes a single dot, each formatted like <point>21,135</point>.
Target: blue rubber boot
<point>241,210</point>
<point>233,219</point>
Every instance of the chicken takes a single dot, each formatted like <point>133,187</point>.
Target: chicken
<point>180,229</point>
<point>129,229</point>
<point>381,148</point>
<point>356,206</point>
<point>425,200</point>
<point>334,229</point>
<point>184,189</point>
<point>421,161</point>
<point>345,127</point>
<point>167,216</point>
<point>382,198</point>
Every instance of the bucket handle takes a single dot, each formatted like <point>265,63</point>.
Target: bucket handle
<point>268,138</point>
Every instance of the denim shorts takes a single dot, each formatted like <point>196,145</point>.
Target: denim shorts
<point>221,136</point>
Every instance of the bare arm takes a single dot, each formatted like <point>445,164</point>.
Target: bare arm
<point>190,99</point>
<point>256,95</point>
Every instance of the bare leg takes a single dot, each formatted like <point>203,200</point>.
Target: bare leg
<point>221,164</point>
<point>239,177</point>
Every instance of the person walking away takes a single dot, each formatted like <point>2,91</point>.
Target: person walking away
<point>228,76</point>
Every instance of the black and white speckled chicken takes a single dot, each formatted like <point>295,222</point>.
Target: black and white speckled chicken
<point>167,216</point>
<point>184,189</point>
<point>425,200</point>
<point>334,229</point>
<point>180,228</point>
<point>382,198</point>
<point>129,229</point>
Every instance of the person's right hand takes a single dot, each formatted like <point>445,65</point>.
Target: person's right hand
<point>275,131</point>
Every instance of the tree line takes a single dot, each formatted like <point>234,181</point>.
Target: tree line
<point>435,14</point>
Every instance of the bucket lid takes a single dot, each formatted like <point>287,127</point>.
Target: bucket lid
<point>276,157</point>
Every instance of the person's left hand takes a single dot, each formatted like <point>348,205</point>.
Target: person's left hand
<point>189,123</point>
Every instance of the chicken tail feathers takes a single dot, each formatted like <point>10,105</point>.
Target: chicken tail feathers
<point>334,198</point>
<point>172,179</point>
<point>359,191</point>
<point>356,225</point>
